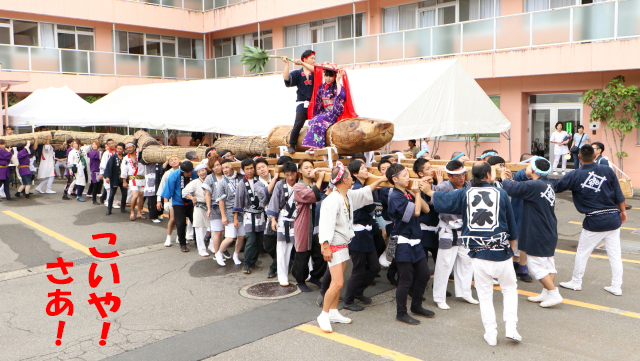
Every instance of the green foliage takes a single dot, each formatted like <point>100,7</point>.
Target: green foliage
<point>90,98</point>
<point>255,58</point>
<point>617,106</point>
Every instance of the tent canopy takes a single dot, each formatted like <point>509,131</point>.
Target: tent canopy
<point>428,99</point>
<point>60,107</point>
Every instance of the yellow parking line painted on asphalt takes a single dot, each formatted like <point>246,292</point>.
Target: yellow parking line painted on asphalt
<point>598,256</point>
<point>49,232</point>
<point>627,228</point>
<point>583,304</point>
<point>349,341</point>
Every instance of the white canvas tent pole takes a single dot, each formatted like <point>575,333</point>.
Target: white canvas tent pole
<point>127,130</point>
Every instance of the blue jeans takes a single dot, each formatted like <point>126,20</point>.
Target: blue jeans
<point>576,161</point>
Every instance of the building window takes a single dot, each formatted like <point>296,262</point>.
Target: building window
<point>5,31</point>
<point>423,14</point>
<point>233,46</point>
<point>324,30</point>
<point>537,5</point>
<point>68,37</point>
<point>25,33</point>
<point>478,9</point>
<point>158,45</point>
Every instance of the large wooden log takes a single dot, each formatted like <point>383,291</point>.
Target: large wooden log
<point>14,140</point>
<point>248,145</point>
<point>159,154</point>
<point>349,136</point>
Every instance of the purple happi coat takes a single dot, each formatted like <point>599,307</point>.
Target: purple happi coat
<point>23,160</point>
<point>5,159</point>
<point>329,107</point>
<point>94,165</point>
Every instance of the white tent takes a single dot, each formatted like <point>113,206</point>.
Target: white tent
<point>60,107</point>
<point>423,100</point>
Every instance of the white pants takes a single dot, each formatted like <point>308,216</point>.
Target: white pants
<point>588,241</point>
<point>57,167</point>
<point>189,232</point>
<point>201,233</point>
<point>557,160</point>
<point>129,194</point>
<point>457,259</point>
<point>484,272</point>
<point>541,267</point>
<point>48,181</point>
<point>283,254</point>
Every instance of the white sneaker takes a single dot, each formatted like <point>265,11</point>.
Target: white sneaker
<point>324,322</point>
<point>336,317</point>
<point>106,203</point>
<point>553,299</point>
<point>49,191</point>
<point>155,221</point>
<point>39,191</point>
<point>491,340</point>
<point>513,335</point>
<point>496,282</point>
<point>614,291</point>
<point>541,297</point>
<point>161,217</point>
<point>236,259</point>
<point>205,254</point>
<point>555,173</point>
<point>570,285</point>
<point>564,173</point>
<point>471,300</point>
<point>167,243</point>
<point>443,306</point>
<point>383,261</point>
<point>210,248</point>
<point>220,259</point>
<point>115,206</point>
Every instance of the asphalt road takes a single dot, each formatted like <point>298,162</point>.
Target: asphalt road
<point>177,306</point>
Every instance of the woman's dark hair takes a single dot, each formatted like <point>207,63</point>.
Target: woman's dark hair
<point>418,165</point>
<point>354,168</point>
<point>580,127</point>
<point>329,73</point>
<point>479,173</point>
<point>261,160</point>
<point>247,162</point>
<point>20,146</point>
<point>454,165</point>
<point>284,159</point>
<point>289,167</point>
<point>556,127</point>
<point>383,161</point>
<point>413,141</point>
<point>393,169</point>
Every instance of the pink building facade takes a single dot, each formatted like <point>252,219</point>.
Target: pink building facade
<point>535,58</point>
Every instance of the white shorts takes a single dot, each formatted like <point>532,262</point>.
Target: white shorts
<point>139,187</point>
<point>541,267</point>
<point>232,232</point>
<point>339,257</point>
<point>216,225</point>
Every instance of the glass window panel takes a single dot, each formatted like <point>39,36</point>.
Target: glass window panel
<point>208,5</point>
<point>290,36</point>
<point>222,68</point>
<point>45,59</point>
<point>446,40</point>
<point>184,47</point>
<point>173,68</point>
<point>84,30</point>
<point>85,42</point>
<point>408,16</point>
<point>193,5</point>
<point>447,15</point>
<point>220,3</point>
<point>47,35</point>
<point>298,50</point>
<point>360,25</point>
<point>512,31</point>
<point>468,10</point>
<point>168,49</point>
<point>153,47</point>
<point>135,43</point>
<point>283,52</point>
<point>555,98</point>
<point>195,69</point>
<point>329,33</point>
<point>5,21</point>
<point>66,41</point>
<point>74,61</point>
<point>5,35</point>
<point>427,18</point>
<point>366,49</point>
<point>173,3</point>
<point>628,18</point>
<point>25,33</point>
<point>302,34</point>
<point>121,42</point>
<point>267,43</point>
<point>594,22</point>
<point>445,1</point>
<point>551,27</point>
<point>329,21</point>
<point>127,64</point>
<point>345,26</point>
<point>536,5</point>
<point>66,27</point>
<point>323,52</point>
<point>417,43</point>
<point>101,63</point>
<point>271,64</point>
<point>15,58</point>
<point>390,20</point>
<point>315,35</point>
<point>478,36</point>
<point>198,45</point>
<point>343,51</point>
<point>210,66</point>
<point>237,69</point>
<point>561,3</point>
<point>427,3</point>
<point>390,46</point>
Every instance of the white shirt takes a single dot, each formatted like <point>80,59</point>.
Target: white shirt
<point>559,137</point>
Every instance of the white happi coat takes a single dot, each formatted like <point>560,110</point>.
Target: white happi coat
<point>47,163</point>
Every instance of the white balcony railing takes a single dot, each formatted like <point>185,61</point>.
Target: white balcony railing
<point>604,21</point>
<point>195,5</point>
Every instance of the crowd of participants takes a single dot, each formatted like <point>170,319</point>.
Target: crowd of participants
<point>473,227</point>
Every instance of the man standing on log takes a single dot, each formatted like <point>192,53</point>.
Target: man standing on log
<point>303,79</point>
